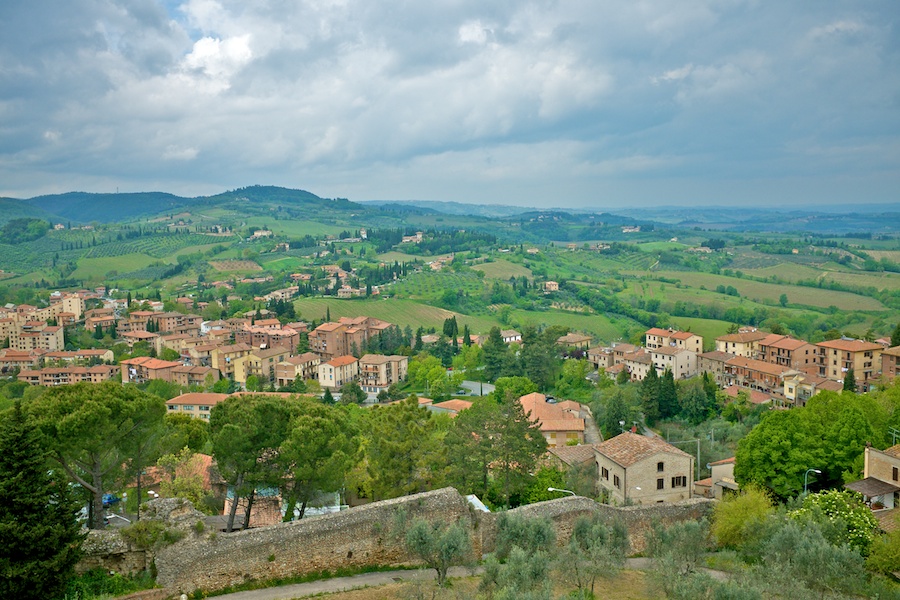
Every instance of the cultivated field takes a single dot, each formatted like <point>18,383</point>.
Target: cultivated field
<point>757,291</point>
<point>234,265</point>
<point>394,310</point>
<point>502,270</point>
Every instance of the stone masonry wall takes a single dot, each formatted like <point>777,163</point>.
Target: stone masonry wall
<point>367,536</point>
<point>358,537</point>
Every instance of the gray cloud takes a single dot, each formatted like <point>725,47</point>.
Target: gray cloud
<point>544,102</point>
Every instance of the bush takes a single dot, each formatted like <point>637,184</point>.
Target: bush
<point>739,516</point>
<point>150,534</point>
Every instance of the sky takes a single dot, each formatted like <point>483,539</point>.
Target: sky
<point>538,103</point>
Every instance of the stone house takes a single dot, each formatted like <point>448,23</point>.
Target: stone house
<point>638,469</point>
<point>560,422</point>
<point>682,363</point>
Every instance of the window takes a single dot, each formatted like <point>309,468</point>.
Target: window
<point>206,408</point>
<point>187,407</point>
<point>661,483</point>
<point>604,472</point>
<point>616,481</point>
<point>660,467</point>
<point>680,481</point>
<point>895,474</point>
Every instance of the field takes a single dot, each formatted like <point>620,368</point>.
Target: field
<point>284,263</point>
<point>891,255</point>
<point>296,228</point>
<point>431,286</point>
<point>757,291</point>
<point>394,310</point>
<point>234,265</point>
<point>97,268</point>
<point>710,329</point>
<point>401,257</point>
<point>598,326</point>
<point>502,270</point>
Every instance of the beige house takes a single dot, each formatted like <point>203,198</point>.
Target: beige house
<point>303,367</point>
<point>188,376</point>
<point>800,387</point>
<point>638,469</point>
<point>194,404</point>
<point>682,363</point>
<point>260,363</point>
<point>721,479</point>
<point>881,477</point>
<point>837,357</point>
<point>638,364</point>
<point>714,364</point>
<point>377,371</point>
<point>144,368</point>
<point>338,371</point>
<point>560,422</point>
<point>53,376</point>
<point>743,343</point>
<point>575,340</point>
<point>224,357</point>
<point>890,362</point>
<point>657,338</point>
<point>789,352</point>
<point>600,358</point>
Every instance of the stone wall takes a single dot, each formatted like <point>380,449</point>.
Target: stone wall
<point>358,537</point>
<point>564,512</point>
<point>364,536</point>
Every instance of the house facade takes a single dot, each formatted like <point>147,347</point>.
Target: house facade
<point>638,469</point>
<point>338,371</point>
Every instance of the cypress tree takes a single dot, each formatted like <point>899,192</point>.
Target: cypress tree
<point>850,381</point>
<point>40,539</point>
<point>650,396</point>
<point>668,396</point>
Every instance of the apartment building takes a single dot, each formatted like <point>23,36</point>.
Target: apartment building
<point>186,375</point>
<point>377,371</point>
<point>890,362</point>
<point>53,376</point>
<point>754,374</point>
<point>789,352</point>
<point>195,404</point>
<point>714,364</point>
<point>837,357</point>
<point>682,363</point>
<point>338,371</point>
<point>658,338</point>
<point>144,368</point>
<point>267,337</point>
<point>37,335</point>
<point>303,367</point>
<point>742,343</point>
<point>261,363</point>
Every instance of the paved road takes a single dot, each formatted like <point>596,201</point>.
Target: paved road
<point>343,584</point>
<point>475,387</point>
<point>592,433</point>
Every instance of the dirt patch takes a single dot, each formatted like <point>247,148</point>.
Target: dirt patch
<point>234,265</point>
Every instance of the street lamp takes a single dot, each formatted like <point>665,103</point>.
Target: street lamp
<point>553,489</point>
<point>806,476</point>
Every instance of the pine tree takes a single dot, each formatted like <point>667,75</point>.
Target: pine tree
<point>40,540</point>
<point>895,336</point>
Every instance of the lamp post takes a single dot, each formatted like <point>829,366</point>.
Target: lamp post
<point>806,477</point>
<point>553,489</point>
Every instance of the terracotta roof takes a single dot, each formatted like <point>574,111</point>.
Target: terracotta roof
<point>771,339</point>
<point>758,365</point>
<point>895,351</point>
<point>790,343</point>
<point>657,331</point>
<point>850,345</point>
<point>887,519</point>
<point>638,357</point>
<point>717,355</point>
<point>573,455</point>
<point>704,482</point>
<point>204,398</point>
<point>342,361</point>
<point>306,357</point>
<point>724,461</point>
<point>374,359</point>
<point>454,405</point>
<point>754,396</point>
<point>328,326</point>
<point>629,448</point>
<point>743,338</point>
<point>551,417</point>
<point>151,363</point>
<point>683,335</point>
<point>624,347</point>
<point>670,350</point>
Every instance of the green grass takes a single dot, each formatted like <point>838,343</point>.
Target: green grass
<point>880,281</point>
<point>401,257</point>
<point>97,268</point>
<point>502,270</point>
<point>710,329</point>
<point>284,263</point>
<point>757,291</point>
<point>660,246</point>
<point>598,326</point>
<point>394,310</point>
<point>296,228</point>
<point>786,271</point>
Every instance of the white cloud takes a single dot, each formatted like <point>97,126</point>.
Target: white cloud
<point>181,154</point>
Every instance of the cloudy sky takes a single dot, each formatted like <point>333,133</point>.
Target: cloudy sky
<point>547,103</point>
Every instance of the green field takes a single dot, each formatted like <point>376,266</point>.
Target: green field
<point>502,270</point>
<point>757,291</point>
<point>401,257</point>
<point>393,310</point>
<point>97,268</point>
<point>284,263</point>
<point>598,326</point>
<point>880,281</point>
<point>296,228</point>
<point>786,271</point>
<point>710,329</point>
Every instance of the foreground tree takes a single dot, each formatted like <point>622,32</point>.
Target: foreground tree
<point>40,540</point>
<point>316,456</point>
<point>439,546</point>
<point>89,428</point>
